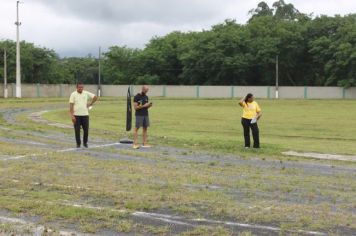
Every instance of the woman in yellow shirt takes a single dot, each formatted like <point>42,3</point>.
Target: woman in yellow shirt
<point>251,114</point>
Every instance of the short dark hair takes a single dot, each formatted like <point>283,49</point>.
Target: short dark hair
<point>80,83</point>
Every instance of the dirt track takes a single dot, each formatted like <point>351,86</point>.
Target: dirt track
<point>102,149</point>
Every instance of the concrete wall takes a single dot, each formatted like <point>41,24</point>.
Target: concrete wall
<point>9,90</point>
<point>109,90</point>
<point>155,90</point>
<point>182,91</point>
<point>350,93</point>
<point>64,90</point>
<point>291,92</point>
<point>257,91</point>
<point>215,91</point>
<point>67,89</point>
<point>324,92</point>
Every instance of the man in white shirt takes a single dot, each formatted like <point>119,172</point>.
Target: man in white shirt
<point>79,103</point>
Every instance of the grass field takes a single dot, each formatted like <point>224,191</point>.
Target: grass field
<point>314,125</point>
<point>196,180</point>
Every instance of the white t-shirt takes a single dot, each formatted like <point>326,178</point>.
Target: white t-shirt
<point>80,101</point>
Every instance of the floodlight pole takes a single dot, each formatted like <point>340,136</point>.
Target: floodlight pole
<point>99,74</point>
<point>18,65</point>
<point>5,74</point>
<point>277,79</point>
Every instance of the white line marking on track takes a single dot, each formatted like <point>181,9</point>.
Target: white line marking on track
<point>12,220</point>
<point>13,158</point>
<point>181,221</point>
<point>237,224</point>
<point>263,227</point>
<point>164,218</point>
<point>58,151</point>
<point>17,157</point>
<point>54,185</point>
<point>93,207</point>
<point>38,229</point>
<point>322,156</point>
<point>90,147</point>
<point>37,117</point>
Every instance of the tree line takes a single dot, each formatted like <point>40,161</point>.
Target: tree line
<point>313,51</point>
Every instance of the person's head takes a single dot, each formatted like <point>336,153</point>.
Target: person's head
<point>80,87</point>
<point>144,89</point>
<point>249,98</point>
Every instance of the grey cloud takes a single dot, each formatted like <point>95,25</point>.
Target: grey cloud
<point>164,12</point>
<point>78,27</point>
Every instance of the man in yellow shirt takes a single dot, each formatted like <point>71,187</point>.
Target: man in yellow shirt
<point>80,102</point>
<point>251,114</point>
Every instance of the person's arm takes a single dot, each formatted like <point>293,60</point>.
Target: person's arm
<point>93,100</point>
<point>149,105</point>
<point>241,102</point>
<point>259,112</point>
<point>71,112</point>
<point>139,107</point>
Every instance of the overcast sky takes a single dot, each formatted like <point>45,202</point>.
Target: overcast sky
<point>78,27</point>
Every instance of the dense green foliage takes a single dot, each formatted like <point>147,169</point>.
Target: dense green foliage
<point>314,51</point>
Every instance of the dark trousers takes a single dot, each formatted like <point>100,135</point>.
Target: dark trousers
<point>81,121</point>
<point>246,124</point>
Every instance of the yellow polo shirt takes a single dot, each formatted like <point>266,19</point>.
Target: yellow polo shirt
<point>250,110</point>
<point>80,101</point>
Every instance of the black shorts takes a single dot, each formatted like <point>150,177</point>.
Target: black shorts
<point>142,121</point>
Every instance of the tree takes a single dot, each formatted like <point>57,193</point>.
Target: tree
<point>262,10</point>
<point>120,65</point>
<point>285,11</point>
<point>161,58</point>
<point>317,51</point>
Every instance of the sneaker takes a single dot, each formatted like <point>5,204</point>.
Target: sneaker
<point>85,145</point>
<point>247,147</point>
<point>146,146</point>
<point>135,146</point>
<point>78,145</point>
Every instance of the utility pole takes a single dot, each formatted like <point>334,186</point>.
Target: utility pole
<point>99,74</point>
<point>5,74</point>
<point>18,65</point>
<point>277,82</point>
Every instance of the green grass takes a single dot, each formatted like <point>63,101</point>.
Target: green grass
<point>291,198</point>
<point>326,126</point>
